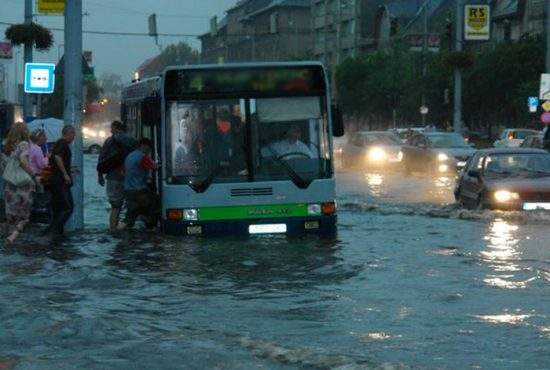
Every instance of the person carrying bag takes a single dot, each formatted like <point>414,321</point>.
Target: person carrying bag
<point>19,183</point>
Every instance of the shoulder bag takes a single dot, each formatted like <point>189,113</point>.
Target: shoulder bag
<point>15,174</point>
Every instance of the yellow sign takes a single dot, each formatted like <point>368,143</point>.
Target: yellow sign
<point>477,22</point>
<point>546,106</point>
<point>50,6</point>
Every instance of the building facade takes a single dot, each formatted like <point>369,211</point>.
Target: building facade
<point>259,30</point>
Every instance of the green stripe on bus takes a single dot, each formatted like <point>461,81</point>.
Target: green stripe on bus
<point>252,212</point>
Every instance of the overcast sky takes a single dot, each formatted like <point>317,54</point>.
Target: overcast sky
<point>122,54</point>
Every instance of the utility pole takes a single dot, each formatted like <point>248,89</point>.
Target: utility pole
<point>459,26</point>
<point>547,30</point>
<point>424,57</point>
<point>27,105</point>
<point>73,102</point>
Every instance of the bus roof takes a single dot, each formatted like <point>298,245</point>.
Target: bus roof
<point>244,65</point>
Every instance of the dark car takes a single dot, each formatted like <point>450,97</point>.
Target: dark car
<point>372,149</point>
<point>436,152</point>
<point>533,141</point>
<point>507,179</point>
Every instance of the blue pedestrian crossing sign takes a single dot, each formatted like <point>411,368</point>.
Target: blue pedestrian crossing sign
<point>39,78</point>
<point>533,103</point>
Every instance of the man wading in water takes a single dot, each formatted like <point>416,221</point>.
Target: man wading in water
<point>110,167</point>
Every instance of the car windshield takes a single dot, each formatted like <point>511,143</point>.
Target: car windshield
<point>447,141</point>
<point>248,140</point>
<point>383,139</point>
<point>524,164</point>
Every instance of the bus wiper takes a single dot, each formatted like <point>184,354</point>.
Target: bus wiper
<point>294,176</point>
<point>202,186</point>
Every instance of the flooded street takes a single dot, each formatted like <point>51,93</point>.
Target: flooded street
<point>411,282</point>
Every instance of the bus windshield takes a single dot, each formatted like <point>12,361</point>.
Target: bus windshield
<point>242,140</point>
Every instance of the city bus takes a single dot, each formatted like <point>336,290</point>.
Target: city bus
<point>243,148</point>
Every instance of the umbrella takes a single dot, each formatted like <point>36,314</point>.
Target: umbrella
<point>51,126</point>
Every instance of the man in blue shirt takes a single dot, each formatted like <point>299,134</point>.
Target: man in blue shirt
<point>140,200</point>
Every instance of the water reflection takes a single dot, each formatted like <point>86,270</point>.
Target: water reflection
<point>510,319</point>
<point>502,255</point>
<point>375,182</point>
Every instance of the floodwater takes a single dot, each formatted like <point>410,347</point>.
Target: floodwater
<point>411,282</point>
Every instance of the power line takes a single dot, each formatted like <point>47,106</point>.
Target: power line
<point>141,34</point>
<point>129,10</point>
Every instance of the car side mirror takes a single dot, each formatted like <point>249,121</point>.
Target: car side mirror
<point>337,122</point>
<point>474,173</point>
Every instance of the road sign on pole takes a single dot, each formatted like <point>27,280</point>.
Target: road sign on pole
<point>477,22</point>
<point>39,78</point>
<point>50,7</point>
<point>533,103</point>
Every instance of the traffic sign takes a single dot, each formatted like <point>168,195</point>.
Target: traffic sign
<point>477,22</point>
<point>546,106</point>
<point>50,7</point>
<point>39,78</point>
<point>424,110</point>
<point>545,118</point>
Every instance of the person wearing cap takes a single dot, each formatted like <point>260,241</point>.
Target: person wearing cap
<point>115,148</point>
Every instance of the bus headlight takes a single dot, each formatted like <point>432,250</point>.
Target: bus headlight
<point>442,157</point>
<point>190,214</point>
<point>314,210</point>
<point>377,154</point>
<point>505,196</point>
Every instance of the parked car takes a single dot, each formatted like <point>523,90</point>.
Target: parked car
<point>533,141</point>
<point>506,179</point>
<point>512,137</point>
<point>372,149</point>
<point>93,138</point>
<point>436,152</point>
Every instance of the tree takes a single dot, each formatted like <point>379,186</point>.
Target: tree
<point>111,84</point>
<point>176,54</point>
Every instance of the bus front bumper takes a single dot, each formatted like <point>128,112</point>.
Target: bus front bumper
<point>322,225</point>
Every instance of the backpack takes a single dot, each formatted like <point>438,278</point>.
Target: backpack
<point>114,158</point>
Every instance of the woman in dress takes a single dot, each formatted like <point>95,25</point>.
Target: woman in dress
<point>18,198</point>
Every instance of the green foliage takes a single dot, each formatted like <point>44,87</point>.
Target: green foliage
<point>34,34</point>
<point>176,54</point>
<point>496,86</point>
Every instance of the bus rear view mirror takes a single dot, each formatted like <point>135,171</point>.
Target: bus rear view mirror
<point>337,122</point>
<point>151,111</point>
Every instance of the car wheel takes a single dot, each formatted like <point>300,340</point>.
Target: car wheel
<point>481,203</point>
<point>94,149</point>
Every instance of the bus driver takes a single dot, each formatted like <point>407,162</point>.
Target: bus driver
<point>291,144</point>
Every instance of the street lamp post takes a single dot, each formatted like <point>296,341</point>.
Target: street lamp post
<point>457,117</point>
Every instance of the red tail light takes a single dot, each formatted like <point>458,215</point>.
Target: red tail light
<point>329,208</point>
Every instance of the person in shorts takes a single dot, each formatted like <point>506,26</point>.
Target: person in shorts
<point>118,142</point>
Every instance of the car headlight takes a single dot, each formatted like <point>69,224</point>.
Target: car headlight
<point>505,196</point>
<point>377,154</point>
<point>190,214</point>
<point>442,157</point>
<point>102,134</point>
<point>91,133</point>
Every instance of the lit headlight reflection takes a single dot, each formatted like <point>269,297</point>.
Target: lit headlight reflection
<point>102,134</point>
<point>504,196</point>
<point>442,157</point>
<point>377,154</point>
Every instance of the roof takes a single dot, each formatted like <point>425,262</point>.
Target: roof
<point>497,151</point>
<point>281,3</point>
